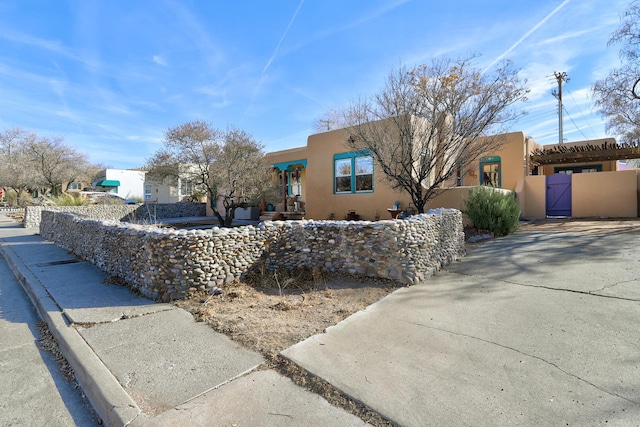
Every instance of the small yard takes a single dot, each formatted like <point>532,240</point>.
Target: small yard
<point>273,312</point>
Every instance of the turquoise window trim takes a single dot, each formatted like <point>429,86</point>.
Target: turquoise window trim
<point>351,155</point>
<point>491,160</point>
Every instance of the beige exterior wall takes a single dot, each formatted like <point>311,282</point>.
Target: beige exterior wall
<point>452,197</point>
<point>606,194</point>
<point>323,203</point>
<point>318,178</point>
<point>532,197</point>
<point>161,192</point>
<point>514,161</point>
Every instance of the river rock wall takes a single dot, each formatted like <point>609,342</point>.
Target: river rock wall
<point>164,264</point>
<point>145,213</point>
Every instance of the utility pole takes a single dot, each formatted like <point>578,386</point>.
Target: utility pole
<point>560,77</point>
<point>328,123</point>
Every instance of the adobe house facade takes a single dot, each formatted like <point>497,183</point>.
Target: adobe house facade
<point>329,181</point>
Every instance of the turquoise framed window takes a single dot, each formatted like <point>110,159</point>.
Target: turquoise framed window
<point>491,171</point>
<point>353,172</point>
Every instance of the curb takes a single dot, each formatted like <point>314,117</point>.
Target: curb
<point>108,398</point>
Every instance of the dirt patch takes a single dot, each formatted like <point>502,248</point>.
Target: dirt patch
<point>276,310</point>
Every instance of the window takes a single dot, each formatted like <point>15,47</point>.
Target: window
<point>343,176</point>
<point>364,173</point>
<point>353,173</point>
<point>147,192</point>
<point>186,187</point>
<point>490,171</point>
<point>75,186</point>
<point>459,177</point>
<point>569,170</point>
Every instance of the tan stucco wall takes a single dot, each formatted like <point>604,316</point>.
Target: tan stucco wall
<point>323,202</point>
<point>513,160</point>
<point>319,174</point>
<point>605,194</point>
<point>533,197</point>
<point>453,197</point>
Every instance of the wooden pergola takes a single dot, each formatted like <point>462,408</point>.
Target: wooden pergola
<point>561,154</point>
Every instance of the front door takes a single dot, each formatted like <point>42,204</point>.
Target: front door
<point>559,195</point>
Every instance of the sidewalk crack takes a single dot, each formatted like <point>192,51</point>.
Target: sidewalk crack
<point>552,288</point>
<point>612,286</point>
<point>524,354</point>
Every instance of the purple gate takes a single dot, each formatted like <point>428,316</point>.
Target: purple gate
<point>559,195</point>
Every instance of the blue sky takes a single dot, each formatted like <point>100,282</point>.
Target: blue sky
<point>111,76</point>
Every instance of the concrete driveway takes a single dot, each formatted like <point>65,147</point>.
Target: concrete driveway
<point>537,328</point>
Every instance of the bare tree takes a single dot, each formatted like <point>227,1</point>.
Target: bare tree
<point>431,122</point>
<point>29,162</point>
<point>16,170</point>
<point>229,166</point>
<point>332,119</point>
<point>58,165</point>
<point>617,96</point>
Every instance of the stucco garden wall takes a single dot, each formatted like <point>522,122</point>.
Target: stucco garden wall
<point>604,194</point>
<point>146,213</point>
<point>164,264</point>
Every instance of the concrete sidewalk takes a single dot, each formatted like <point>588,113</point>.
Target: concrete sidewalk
<point>142,363</point>
<point>531,329</point>
<point>538,328</point>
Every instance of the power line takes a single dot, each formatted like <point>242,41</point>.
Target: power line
<point>574,124</point>
<point>588,123</point>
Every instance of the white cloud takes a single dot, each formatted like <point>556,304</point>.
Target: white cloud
<point>159,60</point>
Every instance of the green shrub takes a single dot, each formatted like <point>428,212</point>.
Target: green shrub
<point>492,210</point>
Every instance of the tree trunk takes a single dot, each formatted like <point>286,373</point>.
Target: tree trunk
<point>230,214</point>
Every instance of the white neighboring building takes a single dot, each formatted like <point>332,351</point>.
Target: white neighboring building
<point>128,184</point>
<point>168,190</point>
<point>633,164</point>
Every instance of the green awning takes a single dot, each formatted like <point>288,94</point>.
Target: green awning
<point>108,183</point>
<point>283,166</point>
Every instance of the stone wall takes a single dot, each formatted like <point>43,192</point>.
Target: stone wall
<point>142,213</point>
<point>164,264</point>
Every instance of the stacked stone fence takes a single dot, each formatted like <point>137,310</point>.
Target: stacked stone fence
<point>141,213</point>
<point>164,264</point>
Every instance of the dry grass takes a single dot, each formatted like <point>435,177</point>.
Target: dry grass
<point>274,311</point>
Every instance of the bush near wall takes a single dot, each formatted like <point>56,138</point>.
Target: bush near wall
<point>492,210</point>
<point>165,264</point>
